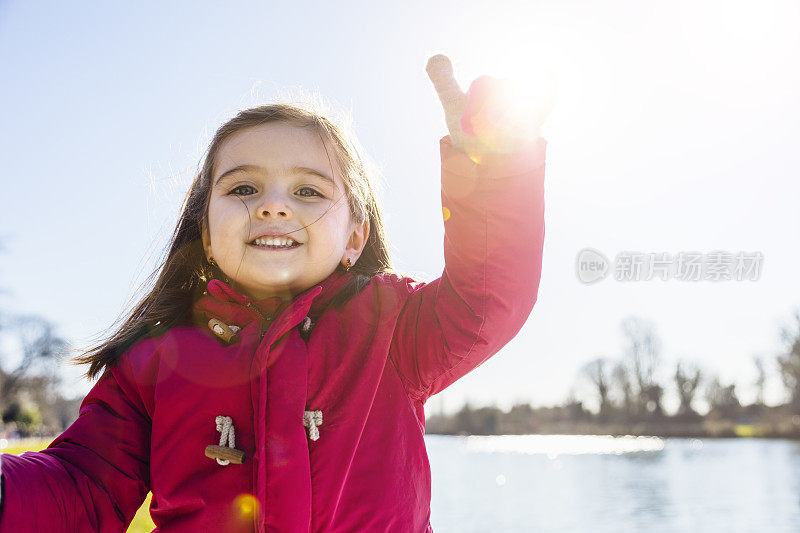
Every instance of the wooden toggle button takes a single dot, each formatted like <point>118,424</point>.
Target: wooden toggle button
<point>224,453</point>
<point>222,330</point>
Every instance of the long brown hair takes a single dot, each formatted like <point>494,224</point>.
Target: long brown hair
<point>183,274</point>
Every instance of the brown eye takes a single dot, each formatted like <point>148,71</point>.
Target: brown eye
<point>233,191</point>
<point>313,192</point>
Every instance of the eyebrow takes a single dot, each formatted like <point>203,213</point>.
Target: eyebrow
<point>292,170</point>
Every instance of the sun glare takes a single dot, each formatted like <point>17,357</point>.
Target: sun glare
<point>518,100</point>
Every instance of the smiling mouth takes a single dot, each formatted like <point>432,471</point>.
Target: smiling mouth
<point>276,247</point>
<point>274,243</point>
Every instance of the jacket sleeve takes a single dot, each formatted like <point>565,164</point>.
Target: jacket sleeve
<point>94,476</point>
<point>493,212</point>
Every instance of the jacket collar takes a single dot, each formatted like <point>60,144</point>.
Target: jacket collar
<point>233,307</point>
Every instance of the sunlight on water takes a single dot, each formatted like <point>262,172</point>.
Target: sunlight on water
<point>554,445</point>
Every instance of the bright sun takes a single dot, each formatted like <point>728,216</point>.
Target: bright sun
<point>520,101</point>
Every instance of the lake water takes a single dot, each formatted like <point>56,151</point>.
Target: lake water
<point>554,483</point>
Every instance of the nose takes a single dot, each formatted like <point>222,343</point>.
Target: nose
<point>273,205</point>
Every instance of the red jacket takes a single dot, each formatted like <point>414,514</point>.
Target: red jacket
<point>368,366</point>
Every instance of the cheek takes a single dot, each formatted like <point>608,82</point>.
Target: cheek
<point>227,219</point>
<point>214,224</point>
<point>331,231</point>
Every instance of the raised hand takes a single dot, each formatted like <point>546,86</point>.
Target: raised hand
<point>492,117</point>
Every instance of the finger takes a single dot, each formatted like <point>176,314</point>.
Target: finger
<point>453,99</point>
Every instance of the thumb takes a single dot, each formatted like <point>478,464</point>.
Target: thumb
<point>453,99</point>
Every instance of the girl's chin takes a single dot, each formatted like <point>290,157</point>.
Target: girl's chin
<point>260,290</point>
<point>277,278</point>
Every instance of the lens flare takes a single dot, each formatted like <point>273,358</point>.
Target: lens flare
<point>507,113</point>
<point>246,506</point>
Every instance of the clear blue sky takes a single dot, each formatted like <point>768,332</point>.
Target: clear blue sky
<point>677,128</point>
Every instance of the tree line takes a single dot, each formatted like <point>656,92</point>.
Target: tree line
<point>30,400</point>
<point>627,397</point>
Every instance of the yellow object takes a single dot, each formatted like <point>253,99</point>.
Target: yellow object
<point>748,430</point>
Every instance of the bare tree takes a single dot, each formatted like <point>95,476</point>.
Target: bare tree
<point>622,387</point>
<point>722,399</point>
<point>687,380</point>
<point>29,350</point>
<point>761,379</point>
<point>642,350</point>
<point>596,372</point>
<point>789,362</point>
<point>38,347</point>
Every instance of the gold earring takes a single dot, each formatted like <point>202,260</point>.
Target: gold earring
<point>347,264</point>
<point>214,264</point>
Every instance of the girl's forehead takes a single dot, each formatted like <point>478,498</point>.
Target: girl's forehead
<point>275,147</point>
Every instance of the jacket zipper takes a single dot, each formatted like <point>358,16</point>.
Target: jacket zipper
<point>265,320</point>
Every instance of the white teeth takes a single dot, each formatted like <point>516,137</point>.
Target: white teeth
<point>274,241</point>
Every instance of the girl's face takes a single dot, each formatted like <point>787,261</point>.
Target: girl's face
<point>276,179</point>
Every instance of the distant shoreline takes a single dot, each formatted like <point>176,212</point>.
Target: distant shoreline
<point>700,430</point>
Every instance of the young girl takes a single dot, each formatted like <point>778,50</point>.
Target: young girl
<point>274,378</point>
